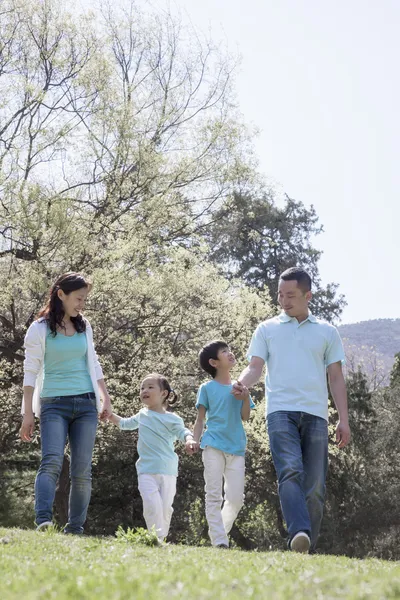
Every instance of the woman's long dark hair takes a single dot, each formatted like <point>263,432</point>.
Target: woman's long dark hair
<point>53,311</point>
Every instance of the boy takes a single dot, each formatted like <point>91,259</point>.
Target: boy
<point>224,441</point>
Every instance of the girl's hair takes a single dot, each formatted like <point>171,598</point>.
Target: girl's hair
<point>172,397</point>
<point>53,311</point>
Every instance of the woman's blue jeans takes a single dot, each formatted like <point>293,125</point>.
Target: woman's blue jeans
<point>299,448</point>
<point>75,418</point>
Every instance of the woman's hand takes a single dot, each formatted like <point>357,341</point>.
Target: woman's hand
<point>27,427</point>
<point>106,409</point>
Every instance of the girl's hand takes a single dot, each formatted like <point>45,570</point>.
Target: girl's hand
<point>27,427</point>
<point>191,446</point>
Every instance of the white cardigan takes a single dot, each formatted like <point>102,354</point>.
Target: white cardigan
<point>35,342</point>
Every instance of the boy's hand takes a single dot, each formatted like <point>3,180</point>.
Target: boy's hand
<point>191,446</point>
<point>240,391</point>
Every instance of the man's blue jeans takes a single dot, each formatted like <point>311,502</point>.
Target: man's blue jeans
<point>74,417</point>
<point>299,448</point>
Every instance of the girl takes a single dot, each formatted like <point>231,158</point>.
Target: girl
<point>157,466</point>
<point>63,382</point>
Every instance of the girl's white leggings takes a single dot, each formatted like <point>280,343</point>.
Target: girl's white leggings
<point>158,492</point>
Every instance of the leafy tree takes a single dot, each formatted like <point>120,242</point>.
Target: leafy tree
<point>256,239</point>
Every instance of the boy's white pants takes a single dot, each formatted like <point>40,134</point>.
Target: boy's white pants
<point>228,468</point>
<point>158,492</point>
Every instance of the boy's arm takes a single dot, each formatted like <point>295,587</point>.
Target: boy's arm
<point>243,394</point>
<point>245,412</point>
<point>199,424</point>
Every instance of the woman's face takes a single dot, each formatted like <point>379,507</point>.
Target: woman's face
<point>74,302</point>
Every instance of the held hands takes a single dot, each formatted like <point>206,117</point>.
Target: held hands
<point>240,391</point>
<point>106,409</point>
<point>27,427</point>
<point>191,446</point>
<point>343,434</point>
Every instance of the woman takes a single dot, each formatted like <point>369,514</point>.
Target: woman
<point>63,382</point>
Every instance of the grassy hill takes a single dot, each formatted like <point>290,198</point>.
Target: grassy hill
<point>372,344</point>
<point>51,565</point>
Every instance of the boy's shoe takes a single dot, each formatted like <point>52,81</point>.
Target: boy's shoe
<point>300,543</point>
<point>224,546</point>
<point>45,525</point>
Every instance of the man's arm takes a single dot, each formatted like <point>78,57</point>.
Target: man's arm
<point>338,390</point>
<point>249,376</point>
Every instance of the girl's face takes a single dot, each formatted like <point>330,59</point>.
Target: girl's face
<point>151,393</point>
<point>74,302</point>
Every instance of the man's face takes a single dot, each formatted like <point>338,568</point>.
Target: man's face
<point>292,299</point>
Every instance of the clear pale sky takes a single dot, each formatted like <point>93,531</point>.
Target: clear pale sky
<point>322,81</point>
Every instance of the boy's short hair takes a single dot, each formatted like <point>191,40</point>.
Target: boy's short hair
<point>210,351</point>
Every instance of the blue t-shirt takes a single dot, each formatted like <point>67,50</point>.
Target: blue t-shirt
<point>224,423</point>
<point>157,434</point>
<point>65,367</point>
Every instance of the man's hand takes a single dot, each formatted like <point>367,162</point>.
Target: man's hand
<point>191,446</point>
<point>240,391</point>
<point>27,427</point>
<point>343,434</point>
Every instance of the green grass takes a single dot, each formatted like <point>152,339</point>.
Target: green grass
<point>52,565</point>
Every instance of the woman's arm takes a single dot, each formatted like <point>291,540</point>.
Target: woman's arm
<point>106,409</point>
<point>34,354</point>
<point>28,421</point>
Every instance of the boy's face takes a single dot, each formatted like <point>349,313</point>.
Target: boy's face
<point>225,359</point>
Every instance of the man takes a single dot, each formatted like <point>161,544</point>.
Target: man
<point>298,350</point>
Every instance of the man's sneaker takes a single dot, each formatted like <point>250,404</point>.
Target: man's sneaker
<point>224,546</point>
<point>300,543</point>
<point>45,525</point>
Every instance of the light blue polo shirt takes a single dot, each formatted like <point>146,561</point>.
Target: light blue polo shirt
<point>297,355</point>
<point>224,423</point>
<point>157,434</point>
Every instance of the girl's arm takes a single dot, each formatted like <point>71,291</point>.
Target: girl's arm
<point>125,423</point>
<point>114,419</point>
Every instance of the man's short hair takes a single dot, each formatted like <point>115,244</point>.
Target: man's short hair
<point>210,351</point>
<point>300,275</point>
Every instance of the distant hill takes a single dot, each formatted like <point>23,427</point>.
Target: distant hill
<point>372,344</point>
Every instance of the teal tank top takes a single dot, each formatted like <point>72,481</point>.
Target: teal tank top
<point>65,366</point>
